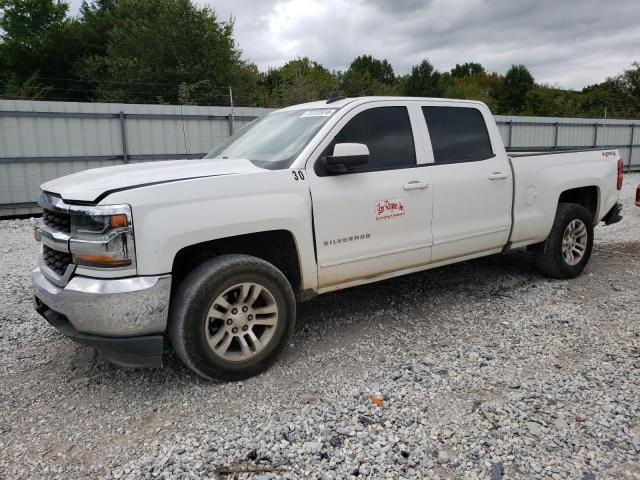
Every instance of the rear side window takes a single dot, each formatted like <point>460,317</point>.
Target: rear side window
<point>386,131</point>
<point>457,134</point>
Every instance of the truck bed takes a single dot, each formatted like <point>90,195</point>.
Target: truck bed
<point>540,178</point>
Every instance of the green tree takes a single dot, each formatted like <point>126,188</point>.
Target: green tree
<point>611,96</point>
<point>300,80</point>
<point>469,69</point>
<point>39,46</point>
<point>424,81</point>
<point>96,21</point>
<point>29,89</point>
<point>378,70</point>
<point>171,51</point>
<point>368,76</point>
<point>546,101</point>
<point>477,87</point>
<point>517,82</point>
<point>632,79</point>
<point>160,49</point>
<point>94,25</point>
<point>628,81</point>
<point>355,83</point>
<point>249,86</point>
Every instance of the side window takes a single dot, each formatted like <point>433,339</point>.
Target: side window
<point>386,131</point>
<point>457,134</point>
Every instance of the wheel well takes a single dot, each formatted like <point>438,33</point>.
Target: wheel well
<point>585,196</point>
<point>276,247</point>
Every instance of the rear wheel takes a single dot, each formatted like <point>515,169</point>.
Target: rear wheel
<point>231,317</point>
<point>567,249</point>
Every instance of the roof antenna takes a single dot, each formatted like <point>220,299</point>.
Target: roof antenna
<point>334,97</point>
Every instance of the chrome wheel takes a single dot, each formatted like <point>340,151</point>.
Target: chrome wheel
<point>241,322</point>
<point>574,242</point>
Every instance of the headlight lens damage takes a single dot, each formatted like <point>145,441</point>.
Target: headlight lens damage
<point>83,225</point>
<point>103,241</point>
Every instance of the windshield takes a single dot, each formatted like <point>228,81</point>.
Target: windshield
<point>275,140</point>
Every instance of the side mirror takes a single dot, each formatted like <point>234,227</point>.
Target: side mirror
<point>346,156</point>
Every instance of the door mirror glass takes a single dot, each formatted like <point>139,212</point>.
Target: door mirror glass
<point>346,156</point>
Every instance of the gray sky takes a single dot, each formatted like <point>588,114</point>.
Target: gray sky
<point>565,43</point>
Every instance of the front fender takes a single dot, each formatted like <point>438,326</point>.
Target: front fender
<point>171,216</point>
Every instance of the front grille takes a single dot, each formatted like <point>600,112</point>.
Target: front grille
<point>55,260</point>
<point>57,220</point>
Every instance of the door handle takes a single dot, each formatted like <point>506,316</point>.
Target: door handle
<point>415,186</point>
<point>498,176</point>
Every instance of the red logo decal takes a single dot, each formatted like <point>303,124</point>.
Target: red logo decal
<point>387,209</point>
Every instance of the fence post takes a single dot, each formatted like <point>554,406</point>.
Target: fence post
<point>230,119</point>
<point>555,138</point>
<point>123,134</point>
<point>595,135</point>
<point>633,126</point>
<point>510,130</point>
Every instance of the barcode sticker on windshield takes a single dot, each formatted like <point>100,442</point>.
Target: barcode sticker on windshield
<point>323,112</point>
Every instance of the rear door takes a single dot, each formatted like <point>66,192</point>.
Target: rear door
<point>471,181</point>
<point>377,218</point>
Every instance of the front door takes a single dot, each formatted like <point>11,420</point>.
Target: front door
<point>376,218</point>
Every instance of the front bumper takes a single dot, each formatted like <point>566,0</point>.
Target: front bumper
<point>122,318</point>
<point>143,351</point>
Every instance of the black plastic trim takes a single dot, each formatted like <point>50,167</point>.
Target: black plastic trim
<point>470,160</point>
<point>323,174</point>
<point>507,246</point>
<point>557,151</point>
<point>614,215</point>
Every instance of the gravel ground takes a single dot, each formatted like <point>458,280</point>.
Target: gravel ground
<point>481,370</point>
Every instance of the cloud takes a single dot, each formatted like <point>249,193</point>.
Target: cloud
<point>567,43</point>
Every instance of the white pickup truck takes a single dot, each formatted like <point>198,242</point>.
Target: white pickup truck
<point>213,254</point>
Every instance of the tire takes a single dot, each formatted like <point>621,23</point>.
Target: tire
<point>209,292</point>
<point>552,258</point>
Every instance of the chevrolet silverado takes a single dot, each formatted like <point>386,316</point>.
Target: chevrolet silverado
<point>211,256</point>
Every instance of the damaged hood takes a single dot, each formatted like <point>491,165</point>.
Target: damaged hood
<point>91,185</point>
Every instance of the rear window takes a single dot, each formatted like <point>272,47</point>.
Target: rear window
<point>457,134</point>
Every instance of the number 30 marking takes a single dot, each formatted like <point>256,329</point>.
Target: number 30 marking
<point>298,175</point>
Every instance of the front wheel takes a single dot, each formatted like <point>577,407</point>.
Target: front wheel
<point>231,317</point>
<point>567,249</point>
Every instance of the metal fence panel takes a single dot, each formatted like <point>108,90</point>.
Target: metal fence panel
<point>574,135</point>
<point>44,140</point>
<point>557,133</point>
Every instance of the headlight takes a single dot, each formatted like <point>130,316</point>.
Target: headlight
<point>102,237</point>
<point>91,225</point>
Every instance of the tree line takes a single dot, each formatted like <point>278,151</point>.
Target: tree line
<point>175,52</point>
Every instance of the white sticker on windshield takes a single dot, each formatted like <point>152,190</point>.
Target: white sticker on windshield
<point>323,112</point>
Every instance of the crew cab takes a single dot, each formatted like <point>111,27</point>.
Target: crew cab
<point>212,256</point>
